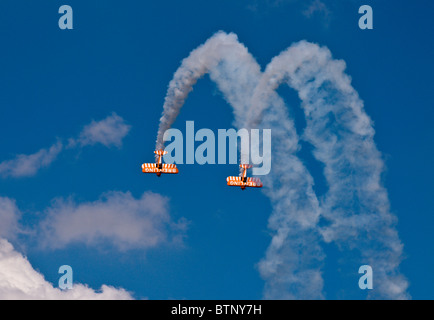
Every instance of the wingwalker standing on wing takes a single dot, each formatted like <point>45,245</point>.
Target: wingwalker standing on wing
<point>243,181</point>
<point>159,167</point>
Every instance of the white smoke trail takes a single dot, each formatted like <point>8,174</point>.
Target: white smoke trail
<point>289,185</point>
<point>292,266</point>
<point>221,54</point>
<point>356,206</point>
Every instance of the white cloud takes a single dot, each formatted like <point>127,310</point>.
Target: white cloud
<point>9,216</point>
<point>109,132</point>
<point>28,165</point>
<point>117,218</point>
<point>317,6</point>
<point>19,281</point>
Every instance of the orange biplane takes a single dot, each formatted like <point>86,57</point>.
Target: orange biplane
<point>159,167</point>
<point>243,181</point>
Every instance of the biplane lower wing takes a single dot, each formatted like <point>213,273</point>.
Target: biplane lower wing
<point>249,182</point>
<point>165,168</point>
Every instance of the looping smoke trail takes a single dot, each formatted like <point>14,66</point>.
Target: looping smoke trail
<point>289,186</point>
<point>356,206</point>
<point>342,136</point>
<point>221,56</point>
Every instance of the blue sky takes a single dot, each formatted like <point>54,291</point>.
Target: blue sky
<point>117,63</point>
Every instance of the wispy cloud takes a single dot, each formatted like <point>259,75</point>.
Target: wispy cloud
<point>19,281</point>
<point>257,5</point>
<point>9,218</point>
<point>28,165</point>
<point>109,132</point>
<point>317,6</point>
<point>117,218</point>
<point>310,9</point>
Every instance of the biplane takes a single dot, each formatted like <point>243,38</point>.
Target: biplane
<point>243,181</point>
<point>159,167</point>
